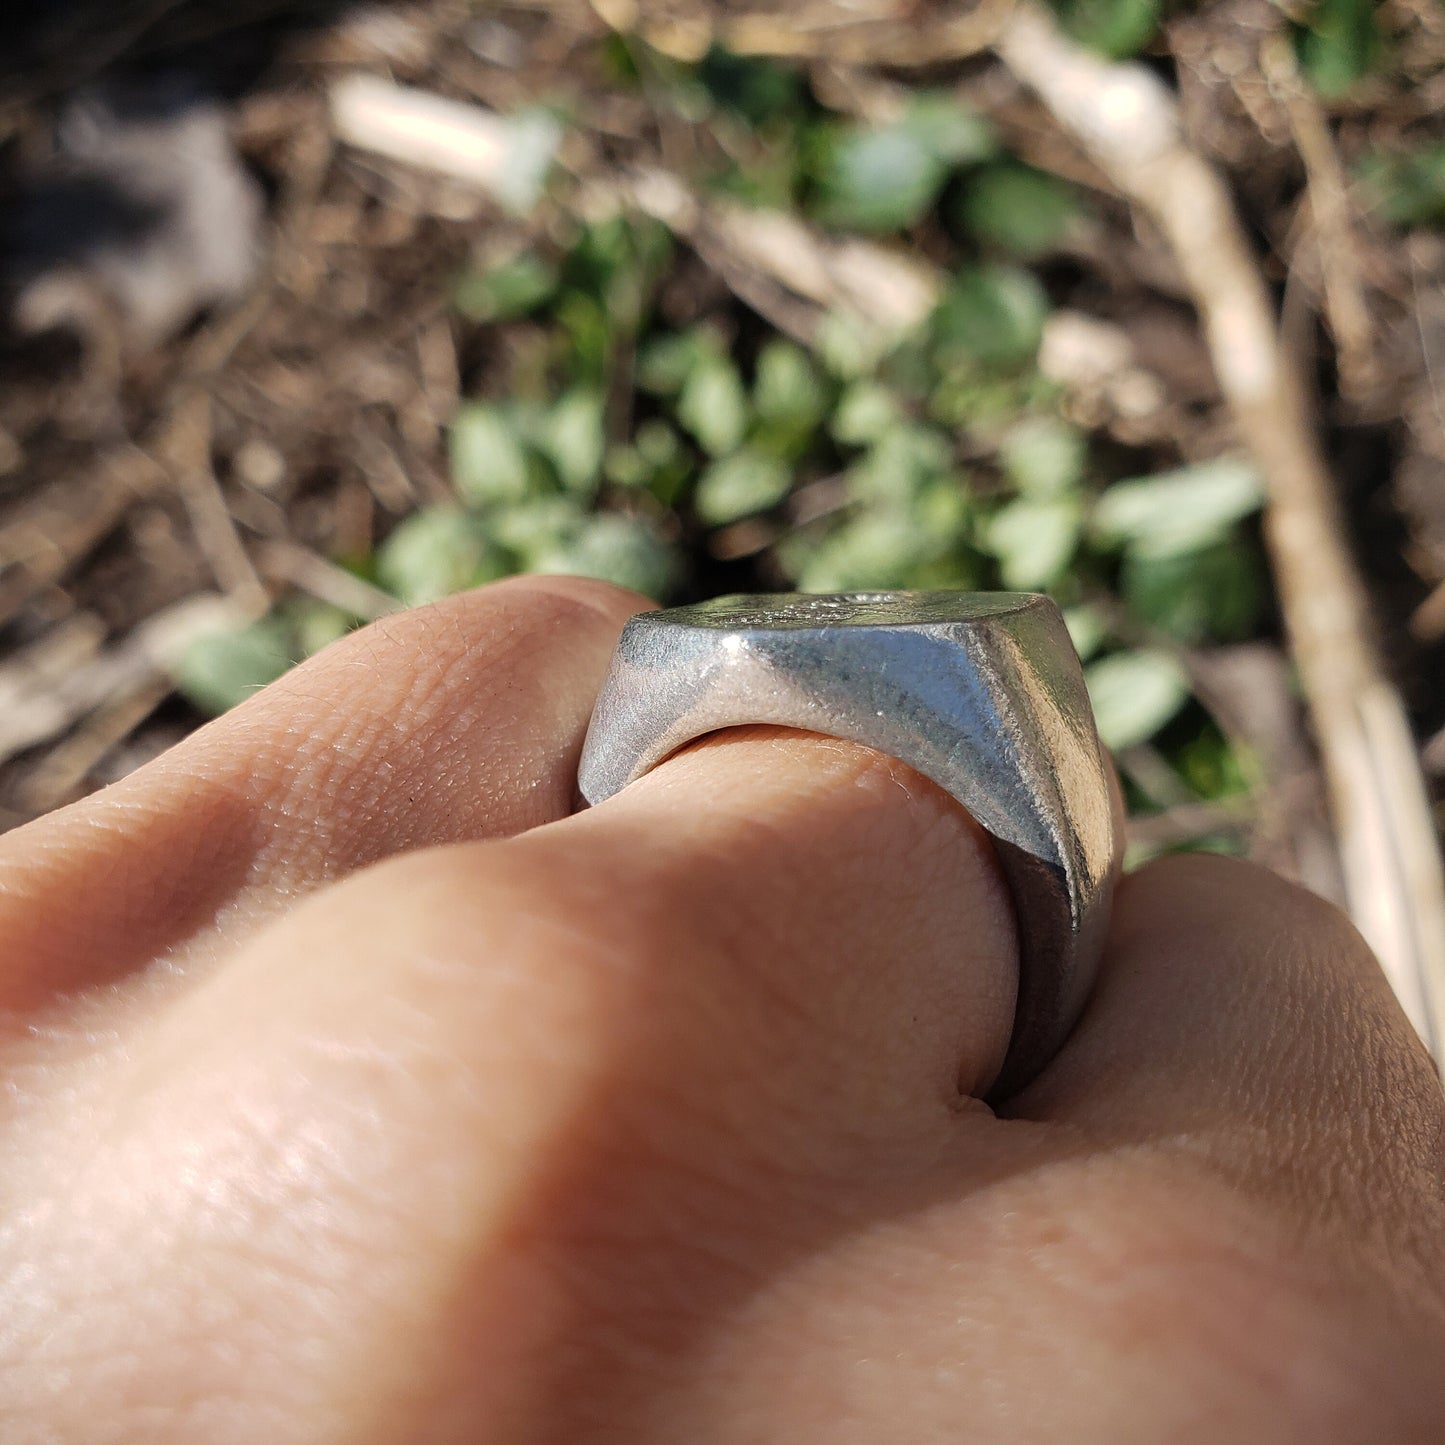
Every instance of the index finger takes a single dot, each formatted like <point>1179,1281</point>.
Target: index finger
<point>463,720</point>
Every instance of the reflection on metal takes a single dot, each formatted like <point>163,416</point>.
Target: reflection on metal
<point>981,692</point>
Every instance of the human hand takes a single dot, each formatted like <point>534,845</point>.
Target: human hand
<point>356,1093</point>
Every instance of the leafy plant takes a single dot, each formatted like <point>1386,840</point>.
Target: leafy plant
<point>887,177</point>
<point>1180,511</point>
<point>221,669</point>
<point>713,405</point>
<point>992,318</point>
<point>489,463</point>
<point>759,91</point>
<point>1017,209</point>
<point>436,552</point>
<point>626,421</point>
<point>739,485</point>
<point>1408,187</point>
<point>1044,457</point>
<point>1135,694</point>
<point>511,288</point>
<point>1339,44</point>
<point>1035,540</point>
<point>1116,28</point>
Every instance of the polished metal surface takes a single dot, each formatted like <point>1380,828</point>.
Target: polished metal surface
<point>981,692</point>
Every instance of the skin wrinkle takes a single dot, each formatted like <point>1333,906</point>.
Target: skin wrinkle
<point>55,944</point>
<point>108,1186</point>
<point>423,717</point>
<point>941,843</point>
<point>639,1210</point>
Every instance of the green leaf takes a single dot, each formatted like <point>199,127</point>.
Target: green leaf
<point>602,253</point>
<point>1214,768</point>
<point>883,179</point>
<point>790,400</point>
<point>966,397</point>
<point>943,511</point>
<point>1018,209</point>
<point>530,530</point>
<point>787,388</point>
<point>614,548</point>
<point>1339,45</point>
<point>574,437</point>
<point>436,552</point>
<point>865,411</point>
<point>920,545</point>
<point>1088,629</point>
<point>954,571</point>
<point>489,465</point>
<point>625,466</point>
<point>898,464</point>
<point>316,625</point>
<point>740,485</point>
<point>714,406</point>
<point>952,133</point>
<point>1212,595</point>
<point>1044,457</point>
<point>848,346</point>
<point>1117,28</point>
<point>758,90</point>
<point>1035,540</point>
<point>655,460</point>
<point>1179,511</point>
<point>587,331</point>
<point>1408,186</point>
<point>513,288</point>
<point>658,443</point>
<point>992,316</point>
<point>1135,694</point>
<point>222,669</point>
<point>871,550</point>
<point>666,362</point>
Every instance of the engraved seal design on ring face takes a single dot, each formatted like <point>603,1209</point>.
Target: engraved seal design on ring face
<point>980,692</point>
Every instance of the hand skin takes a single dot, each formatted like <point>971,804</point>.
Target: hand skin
<point>356,1091</point>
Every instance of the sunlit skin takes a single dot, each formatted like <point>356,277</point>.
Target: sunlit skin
<point>358,1089</point>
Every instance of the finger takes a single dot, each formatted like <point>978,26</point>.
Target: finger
<point>840,890</point>
<point>1240,1017</point>
<point>720,1015</point>
<point>460,720</point>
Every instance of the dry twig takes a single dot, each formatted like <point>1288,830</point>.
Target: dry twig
<point>66,523</point>
<point>52,685</point>
<point>302,568</point>
<point>749,248</point>
<point>822,30</point>
<point>188,444</point>
<point>1332,224</point>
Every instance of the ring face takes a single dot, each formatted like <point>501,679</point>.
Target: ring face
<point>980,692</point>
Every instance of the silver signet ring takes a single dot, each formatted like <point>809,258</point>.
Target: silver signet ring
<point>981,692</point>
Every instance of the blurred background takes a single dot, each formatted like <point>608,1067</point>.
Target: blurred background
<point>314,311</point>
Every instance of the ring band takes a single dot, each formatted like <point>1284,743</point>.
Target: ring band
<point>980,692</point>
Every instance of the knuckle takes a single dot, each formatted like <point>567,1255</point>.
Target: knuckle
<point>1192,888</point>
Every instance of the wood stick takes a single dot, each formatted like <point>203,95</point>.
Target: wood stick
<point>66,676</point>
